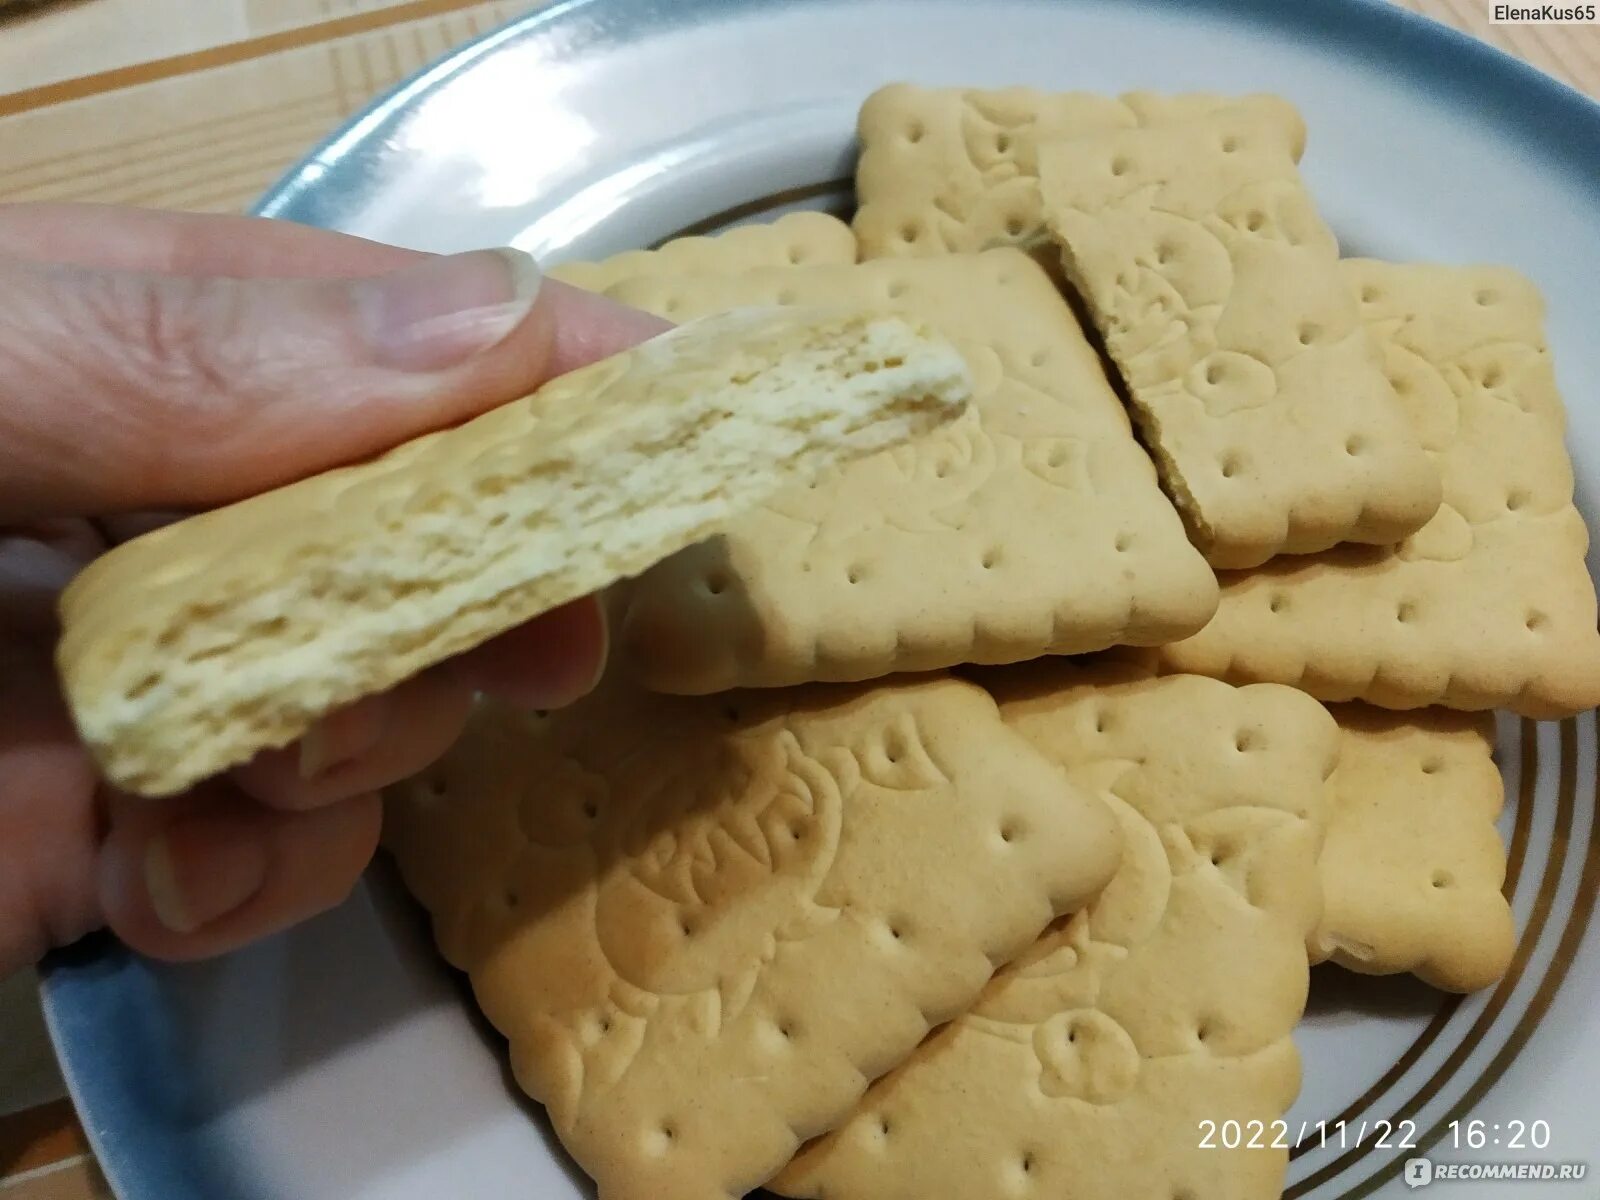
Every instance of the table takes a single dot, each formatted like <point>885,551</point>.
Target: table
<point>200,104</point>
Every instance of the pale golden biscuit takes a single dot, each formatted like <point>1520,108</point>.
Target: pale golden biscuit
<point>193,647</point>
<point>1413,865</point>
<point>1490,604</point>
<point>1217,290</point>
<point>956,170</point>
<point>1089,1067</point>
<point>1035,525</point>
<point>802,238</point>
<point>706,924</point>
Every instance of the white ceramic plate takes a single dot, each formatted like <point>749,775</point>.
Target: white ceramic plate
<point>342,1061</point>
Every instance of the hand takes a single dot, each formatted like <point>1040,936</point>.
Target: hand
<point>154,362</point>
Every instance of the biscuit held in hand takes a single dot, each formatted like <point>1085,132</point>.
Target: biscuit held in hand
<point>187,650</point>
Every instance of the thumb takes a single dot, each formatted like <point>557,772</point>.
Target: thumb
<point>121,390</point>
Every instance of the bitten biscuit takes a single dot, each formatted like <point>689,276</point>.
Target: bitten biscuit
<point>1089,1067</point>
<point>1034,525</point>
<point>801,238</point>
<point>705,925</point>
<point>1217,290</point>
<point>191,648</point>
<point>956,170</point>
<point>1413,865</point>
<point>1490,604</point>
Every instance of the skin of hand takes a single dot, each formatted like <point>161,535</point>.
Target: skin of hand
<point>159,363</point>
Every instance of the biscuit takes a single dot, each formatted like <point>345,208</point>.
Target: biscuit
<point>705,924</point>
<point>809,238</point>
<point>1490,604</point>
<point>956,170</point>
<point>1035,525</point>
<point>1090,1065</point>
<point>191,648</point>
<point>1413,864</point>
<point>1216,288</point>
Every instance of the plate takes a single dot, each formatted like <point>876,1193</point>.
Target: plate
<point>342,1061</point>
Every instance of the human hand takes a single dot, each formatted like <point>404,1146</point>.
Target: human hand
<point>156,362</point>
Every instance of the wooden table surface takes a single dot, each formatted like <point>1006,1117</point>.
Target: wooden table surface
<point>200,104</point>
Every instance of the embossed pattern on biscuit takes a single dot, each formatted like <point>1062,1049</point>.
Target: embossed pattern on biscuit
<point>705,924</point>
<point>956,170</point>
<point>1034,525</point>
<point>1089,1065</point>
<point>1488,605</point>
<point>1216,288</point>
<point>1413,864</point>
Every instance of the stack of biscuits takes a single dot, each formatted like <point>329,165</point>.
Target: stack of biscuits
<point>963,822</point>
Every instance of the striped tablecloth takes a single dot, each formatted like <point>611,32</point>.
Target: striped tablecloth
<point>200,104</point>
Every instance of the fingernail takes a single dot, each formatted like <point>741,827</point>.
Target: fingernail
<point>200,869</point>
<point>342,736</point>
<point>442,312</point>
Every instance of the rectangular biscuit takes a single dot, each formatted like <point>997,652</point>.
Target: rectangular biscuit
<point>1089,1065</point>
<point>1413,864</point>
<point>956,170</point>
<point>1035,525</point>
<point>1490,604</point>
<point>189,649</point>
<point>795,239</point>
<point>1216,288</point>
<point>706,924</point>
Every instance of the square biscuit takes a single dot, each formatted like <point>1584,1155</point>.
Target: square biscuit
<point>1490,604</point>
<point>795,239</point>
<point>956,170</point>
<point>187,650</point>
<point>1088,1066</point>
<point>706,924</point>
<point>1413,864</point>
<point>1035,525</point>
<point>1217,290</point>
